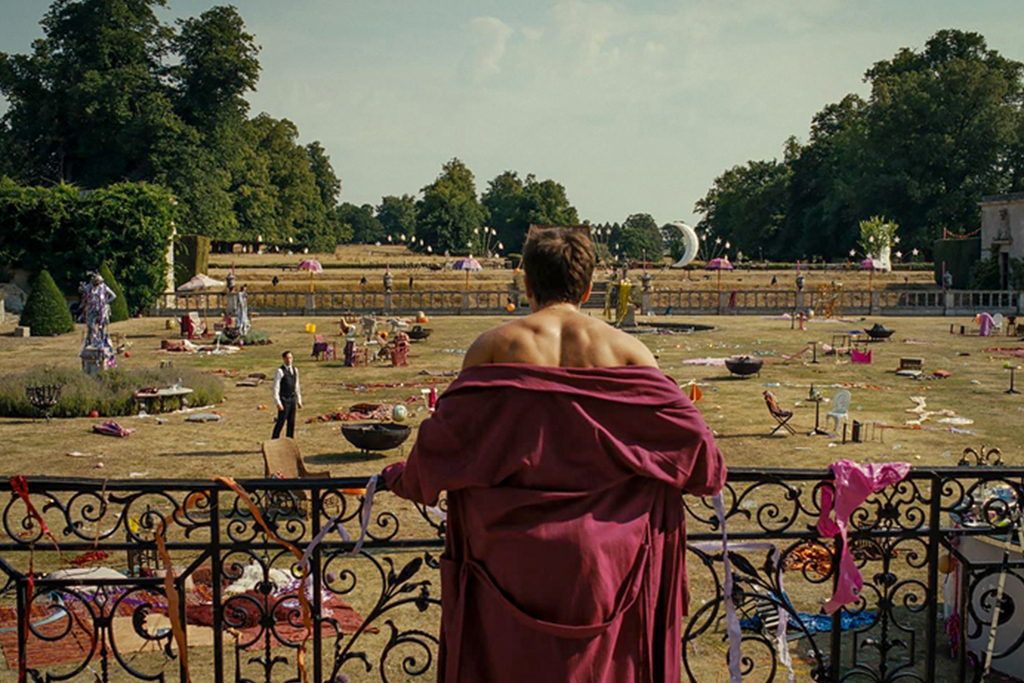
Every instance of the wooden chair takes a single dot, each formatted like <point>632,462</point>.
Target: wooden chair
<point>322,350</point>
<point>282,460</point>
<point>781,416</point>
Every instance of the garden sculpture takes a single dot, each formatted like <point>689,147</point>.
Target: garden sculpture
<point>97,352</point>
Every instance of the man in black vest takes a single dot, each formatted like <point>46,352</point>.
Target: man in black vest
<point>287,395</point>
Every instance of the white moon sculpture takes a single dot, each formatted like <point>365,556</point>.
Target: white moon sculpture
<point>690,244</point>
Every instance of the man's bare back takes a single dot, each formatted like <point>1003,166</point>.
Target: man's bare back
<point>558,336</point>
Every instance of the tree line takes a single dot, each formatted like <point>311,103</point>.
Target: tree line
<point>942,127</point>
<point>110,94</point>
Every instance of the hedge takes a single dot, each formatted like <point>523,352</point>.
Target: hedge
<point>46,310</point>
<point>71,232</point>
<point>111,393</point>
<point>119,307</point>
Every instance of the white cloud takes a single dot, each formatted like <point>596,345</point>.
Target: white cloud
<point>488,37</point>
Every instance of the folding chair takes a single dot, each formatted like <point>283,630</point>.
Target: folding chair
<point>781,416</point>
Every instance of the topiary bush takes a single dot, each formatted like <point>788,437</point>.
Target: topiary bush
<point>119,307</point>
<point>46,311</point>
<point>111,393</point>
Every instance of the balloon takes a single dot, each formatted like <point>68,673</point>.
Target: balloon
<point>510,308</point>
<point>690,244</point>
<point>399,413</point>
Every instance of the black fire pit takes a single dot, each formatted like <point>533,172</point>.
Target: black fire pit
<point>418,333</point>
<point>744,366</point>
<point>877,332</point>
<point>375,436</point>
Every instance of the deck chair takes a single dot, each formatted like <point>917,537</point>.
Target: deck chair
<point>840,409</point>
<point>282,460</point>
<point>781,416</point>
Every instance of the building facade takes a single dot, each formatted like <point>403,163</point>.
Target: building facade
<point>1002,230</point>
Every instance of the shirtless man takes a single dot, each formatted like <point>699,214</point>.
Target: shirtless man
<point>557,334</point>
<point>565,541</point>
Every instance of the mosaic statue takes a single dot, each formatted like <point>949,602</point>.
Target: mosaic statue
<point>96,298</point>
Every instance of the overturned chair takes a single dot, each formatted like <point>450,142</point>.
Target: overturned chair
<point>781,416</point>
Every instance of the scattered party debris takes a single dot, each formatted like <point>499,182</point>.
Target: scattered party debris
<point>204,417</point>
<point>112,428</point>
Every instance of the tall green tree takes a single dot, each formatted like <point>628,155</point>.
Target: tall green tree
<point>88,106</point>
<point>360,223</point>
<point>397,215</point>
<point>640,236</point>
<point>449,210</point>
<point>219,65</point>
<point>111,93</point>
<point>327,183</point>
<point>940,122</point>
<point>747,205</point>
<point>515,204</point>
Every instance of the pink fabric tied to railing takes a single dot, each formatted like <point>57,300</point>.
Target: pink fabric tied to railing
<point>851,486</point>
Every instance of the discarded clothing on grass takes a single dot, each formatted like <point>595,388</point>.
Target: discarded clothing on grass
<point>112,428</point>
<point>719,362</point>
<point>813,623</point>
<point>541,562</point>
<point>204,417</point>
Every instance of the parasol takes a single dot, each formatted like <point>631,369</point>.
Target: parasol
<point>719,264</point>
<point>314,268</point>
<point>470,265</point>
<point>201,283</point>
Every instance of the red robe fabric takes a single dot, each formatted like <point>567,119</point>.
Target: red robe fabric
<point>565,550</point>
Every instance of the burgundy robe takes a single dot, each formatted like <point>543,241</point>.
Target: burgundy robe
<point>565,552</point>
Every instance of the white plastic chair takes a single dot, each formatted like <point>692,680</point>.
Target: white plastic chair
<point>840,409</point>
<point>997,320</point>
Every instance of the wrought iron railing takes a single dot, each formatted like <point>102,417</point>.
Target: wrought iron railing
<point>376,613</point>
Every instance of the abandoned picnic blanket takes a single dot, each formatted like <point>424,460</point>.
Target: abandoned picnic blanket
<point>565,550</point>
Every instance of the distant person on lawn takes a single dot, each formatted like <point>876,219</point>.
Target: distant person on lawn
<point>287,395</point>
<point>563,450</point>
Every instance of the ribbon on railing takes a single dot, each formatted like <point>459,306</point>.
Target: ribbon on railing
<point>1000,589</point>
<point>307,619</point>
<point>173,606</point>
<point>20,486</point>
<point>732,623</point>
<point>335,523</point>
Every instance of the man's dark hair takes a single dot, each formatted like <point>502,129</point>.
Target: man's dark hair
<point>559,263</point>
<point>284,353</point>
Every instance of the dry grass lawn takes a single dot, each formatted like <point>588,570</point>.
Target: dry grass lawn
<point>734,408</point>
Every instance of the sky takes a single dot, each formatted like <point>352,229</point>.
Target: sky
<point>633,106</point>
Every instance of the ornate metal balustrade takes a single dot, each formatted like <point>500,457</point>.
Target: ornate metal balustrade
<point>682,302</point>
<point>375,613</point>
